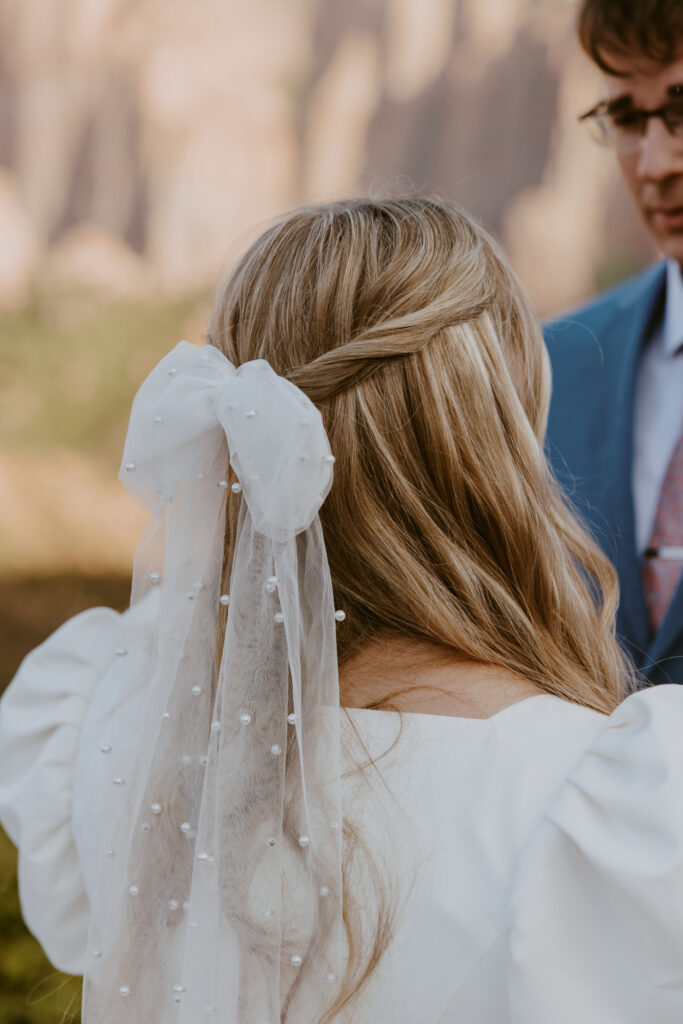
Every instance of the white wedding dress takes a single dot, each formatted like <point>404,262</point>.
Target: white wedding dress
<point>536,857</point>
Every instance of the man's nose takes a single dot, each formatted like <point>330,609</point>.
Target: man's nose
<point>660,154</point>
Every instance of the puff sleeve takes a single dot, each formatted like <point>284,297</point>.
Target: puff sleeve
<point>41,716</point>
<point>597,906</point>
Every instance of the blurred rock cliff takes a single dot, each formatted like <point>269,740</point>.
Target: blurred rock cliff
<point>143,141</point>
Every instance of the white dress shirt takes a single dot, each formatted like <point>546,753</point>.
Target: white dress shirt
<point>659,407</point>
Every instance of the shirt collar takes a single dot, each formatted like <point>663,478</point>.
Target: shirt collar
<point>672,328</point>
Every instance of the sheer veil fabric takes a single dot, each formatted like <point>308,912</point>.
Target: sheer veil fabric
<point>218,890</point>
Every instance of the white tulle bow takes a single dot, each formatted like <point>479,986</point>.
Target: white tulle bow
<point>277,442</point>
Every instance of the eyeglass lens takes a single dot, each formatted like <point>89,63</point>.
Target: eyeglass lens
<point>624,129</point>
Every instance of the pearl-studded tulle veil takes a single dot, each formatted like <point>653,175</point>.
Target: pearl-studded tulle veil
<point>218,891</point>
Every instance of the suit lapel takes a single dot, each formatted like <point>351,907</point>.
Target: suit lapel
<point>631,328</point>
<point>671,628</point>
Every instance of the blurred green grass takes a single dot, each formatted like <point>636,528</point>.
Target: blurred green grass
<point>69,370</point>
<point>31,991</point>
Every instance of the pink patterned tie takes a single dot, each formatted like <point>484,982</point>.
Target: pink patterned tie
<point>663,559</point>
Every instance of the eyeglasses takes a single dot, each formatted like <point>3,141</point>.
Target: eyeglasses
<point>622,127</point>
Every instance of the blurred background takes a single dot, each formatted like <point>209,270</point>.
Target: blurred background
<point>143,144</point>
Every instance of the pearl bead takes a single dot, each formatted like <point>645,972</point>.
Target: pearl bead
<point>173,904</point>
<point>134,890</point>
<point>156,808</point>
<point>291,718</point>
<point>124,990</point>
<point>117,780</point>
<point>271,840</point>
<point>121,652</point>
<point>155,577</point>
<point>304,841</point>
<point>224,599</point>
<point>330,977</point>
<point>109,853</point>
<point>97,953</point>
<point>178,988</point>
<point>190,596</point>
<point>273,579</point>
<point>105,748</point>
<point>245,719</point>
<point>334,826</point>
<point>130,467</point>
<point>236,488</point>
<point>268,914</point>
<point>270,588</point>
<point>329,460</point>
<point>196,690</point>
<point>186,828</point>
<point>158,419</point>
<point>296,961</point>
<point>215,727</point>
<point>340,615</point>
<point>146,827</point>
<point>172,372</point>
<point>186,759</point>
<point>249,415</point>
<point>324,891</point>
<point>202,856</point>
<point>200,476</point>
<point>276,749</point>
<point>223,484</point>
<point>278,617</point>
<point>166,715</point>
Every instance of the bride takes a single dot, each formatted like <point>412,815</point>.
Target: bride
<point>383,765</point>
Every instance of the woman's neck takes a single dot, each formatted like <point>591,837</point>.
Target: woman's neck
<point>415,676</point>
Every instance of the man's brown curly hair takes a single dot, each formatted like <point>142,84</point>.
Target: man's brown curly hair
<point>614,28</point>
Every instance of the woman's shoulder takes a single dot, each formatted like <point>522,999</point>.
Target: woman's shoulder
<point>597,883</point>
<point>43,713</point>
<point>634,762</point>
<point>606,777</point>
<point>642,736</point>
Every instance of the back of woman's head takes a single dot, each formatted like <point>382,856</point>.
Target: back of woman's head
<point>404,323</point>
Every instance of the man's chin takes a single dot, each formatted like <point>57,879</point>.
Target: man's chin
<point>671,244</point>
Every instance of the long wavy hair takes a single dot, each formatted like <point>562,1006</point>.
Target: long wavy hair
<point>404,323</point>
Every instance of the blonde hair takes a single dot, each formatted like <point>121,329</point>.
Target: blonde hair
<point>405,324</point>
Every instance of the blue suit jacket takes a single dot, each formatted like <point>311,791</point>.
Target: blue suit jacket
<point>595,354</point>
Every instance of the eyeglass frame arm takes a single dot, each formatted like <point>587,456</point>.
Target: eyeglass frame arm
<point>604,107</point>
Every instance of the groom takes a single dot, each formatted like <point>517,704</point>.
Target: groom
<point>615,429</point>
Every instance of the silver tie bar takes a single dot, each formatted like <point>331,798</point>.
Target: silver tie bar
<point>667,552</point>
